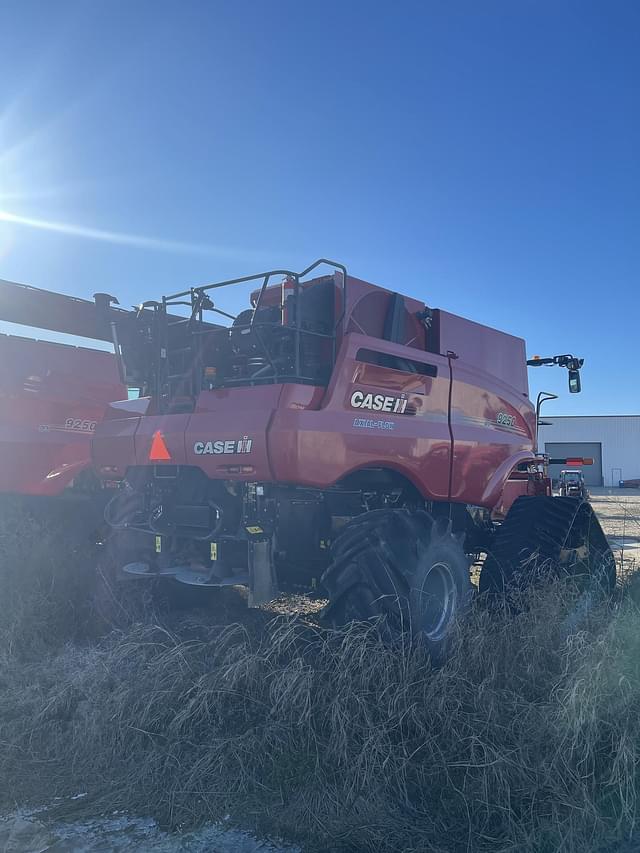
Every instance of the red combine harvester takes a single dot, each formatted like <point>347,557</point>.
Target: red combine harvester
<point>340,431</point>
<point>51,395</point>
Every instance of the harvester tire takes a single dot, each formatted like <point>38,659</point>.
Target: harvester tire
<point>544,537</point>
<point>403,568</point>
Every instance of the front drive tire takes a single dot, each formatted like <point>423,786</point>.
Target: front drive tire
<point>404,568</point>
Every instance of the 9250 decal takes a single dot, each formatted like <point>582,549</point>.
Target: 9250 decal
<point>70,425</point>
<point>503,419</point>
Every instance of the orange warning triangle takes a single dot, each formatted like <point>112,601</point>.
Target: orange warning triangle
<point>159,451</point>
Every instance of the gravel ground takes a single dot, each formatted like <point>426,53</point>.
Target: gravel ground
<point>28,831</point>
<point>619,514</point>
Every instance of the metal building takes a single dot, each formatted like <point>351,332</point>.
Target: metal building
<point>613,441</point>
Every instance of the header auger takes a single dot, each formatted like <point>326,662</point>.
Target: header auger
<point>52,395</point>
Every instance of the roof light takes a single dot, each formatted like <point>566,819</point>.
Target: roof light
<point>159,451</point>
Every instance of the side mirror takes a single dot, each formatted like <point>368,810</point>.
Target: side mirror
<point>575,386</point>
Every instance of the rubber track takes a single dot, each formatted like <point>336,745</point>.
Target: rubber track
<point>540,527</point>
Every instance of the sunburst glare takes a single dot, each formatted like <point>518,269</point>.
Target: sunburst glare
<point>134,240</point>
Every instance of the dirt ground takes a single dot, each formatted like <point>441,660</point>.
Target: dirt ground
<point>619,514</point>
<point>28,831</point>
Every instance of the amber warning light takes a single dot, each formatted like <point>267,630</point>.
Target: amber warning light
<point>159,451</point>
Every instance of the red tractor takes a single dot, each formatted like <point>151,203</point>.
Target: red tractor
<point>337,433</point>
<point>571,484</point>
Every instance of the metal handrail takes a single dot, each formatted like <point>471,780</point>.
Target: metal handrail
<point>196,301</point>
<point>266,276</point>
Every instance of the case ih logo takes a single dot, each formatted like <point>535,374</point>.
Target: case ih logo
<point>378,402</point>
<point>242,445</point>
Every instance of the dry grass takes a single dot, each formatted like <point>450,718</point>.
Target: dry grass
<point>524,741</point>
<point>46,577</point>
<point>520,743</point>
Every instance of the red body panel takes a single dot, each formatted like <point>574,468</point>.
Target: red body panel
<point>455,424</point>
<point>493,422</point>
<point>51,397</point>
<point>226,415</point>
<point>366,308</point>
<point>317,448</point>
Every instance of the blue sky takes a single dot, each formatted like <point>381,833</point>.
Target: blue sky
<point>483,156</point>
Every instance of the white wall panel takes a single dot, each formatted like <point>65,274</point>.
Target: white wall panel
<point>618,434</point>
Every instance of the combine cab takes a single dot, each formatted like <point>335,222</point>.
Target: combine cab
<point>334,433</point>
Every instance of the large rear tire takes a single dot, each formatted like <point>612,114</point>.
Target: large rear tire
<point>403,568</point>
